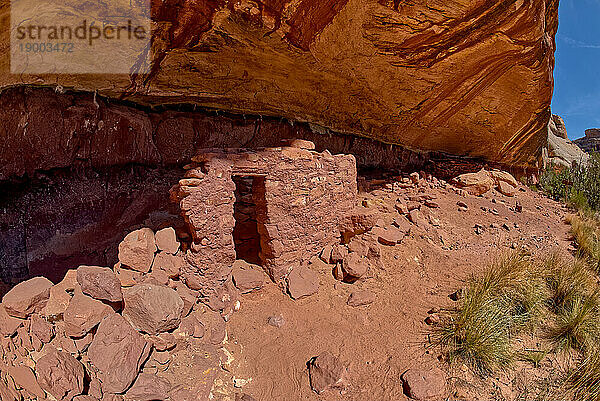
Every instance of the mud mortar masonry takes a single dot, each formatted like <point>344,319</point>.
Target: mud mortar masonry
<point>299,201</point>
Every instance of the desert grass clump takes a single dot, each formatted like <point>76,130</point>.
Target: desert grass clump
<point>528,298</point>
<point>577,323</point>
<point>586,233</point>
<point>519,283</point>
<point>585,379</point>
<point>495,306</point>
<point>478,333</point>
<point>535,357</point>
<point>553,303</point>
<point>566,281</point>
<point>514,296</point>
<point>573,302</point>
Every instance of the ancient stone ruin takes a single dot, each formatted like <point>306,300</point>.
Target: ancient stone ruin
<point>163,323</point>
<point>275,207</point>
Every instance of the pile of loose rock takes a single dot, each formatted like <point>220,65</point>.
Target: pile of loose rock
<point>114,334</point>
<point>484,181</point>
<point>127,332</point>
<point>348,262</point>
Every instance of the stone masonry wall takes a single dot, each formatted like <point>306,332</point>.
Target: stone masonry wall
<point>207,204</point>
<point>307,196</point>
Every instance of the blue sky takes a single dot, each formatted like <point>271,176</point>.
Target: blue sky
<point>577,71</point>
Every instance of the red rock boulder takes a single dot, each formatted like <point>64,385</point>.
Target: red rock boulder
<point>424,385</point>
<point>41,328</point>
<point>475,183</point>
<point>99,283</point>
<point>118,352</point>
<point>83,314</point>
<point>361,298</point>
<point>27,297</point>
<point>8,324</point>
<point>60,374</point>
<point>137,250</point>
<point>326,371</point>
<point>60,296</point>
<point>247,277</point>
<point>25,378</point>
<point>506,189</point>
<point>166,240</point>
<point>354,266</point>
<point>389,236</point>
<point>169,265</point>
<point>503,176</point>
<point>149,387</point>
<point>302,282</point>
<point>153,309</point>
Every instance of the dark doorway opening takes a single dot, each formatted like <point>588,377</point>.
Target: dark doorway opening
<point>249,199</point>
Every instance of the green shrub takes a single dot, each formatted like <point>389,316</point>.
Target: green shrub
<point>579,186</point>
<point>556,183</point>
<point>586,181</point>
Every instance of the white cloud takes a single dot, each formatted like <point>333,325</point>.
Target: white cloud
<point>579,43</point>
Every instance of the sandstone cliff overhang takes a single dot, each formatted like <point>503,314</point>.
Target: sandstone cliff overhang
<point>469,78</point>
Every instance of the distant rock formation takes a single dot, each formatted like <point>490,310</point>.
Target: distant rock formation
<point>558,127</point>
<point>591,141</point>
<point>561,151</point>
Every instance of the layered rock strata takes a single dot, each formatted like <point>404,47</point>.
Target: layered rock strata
<point>470,78</point>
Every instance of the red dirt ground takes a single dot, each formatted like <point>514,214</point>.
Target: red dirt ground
<point>381,341</point>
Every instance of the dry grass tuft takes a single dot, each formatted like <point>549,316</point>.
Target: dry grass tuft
<point>566,280</point>
<point>585,379</point>
<point>587,235</point>
<point>516,297</point>
<point>577,323</point>
<point>574,301</point>
<point>478,334</point>
<point>494,307</point>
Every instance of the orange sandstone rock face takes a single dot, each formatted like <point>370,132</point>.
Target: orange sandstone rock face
<point>468,77</point>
